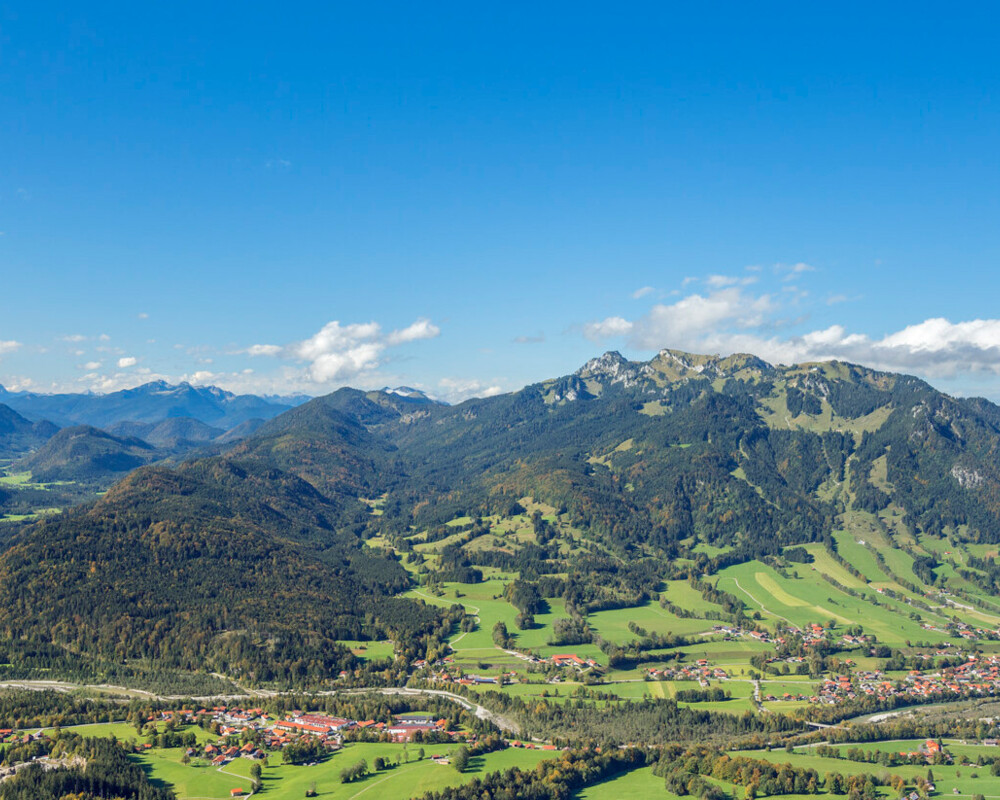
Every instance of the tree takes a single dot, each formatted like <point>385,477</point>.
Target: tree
<point>501,638</point>
<point>460,758</point>
<point>255,771</point>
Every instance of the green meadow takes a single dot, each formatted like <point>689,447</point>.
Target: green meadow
<point>408,778</point>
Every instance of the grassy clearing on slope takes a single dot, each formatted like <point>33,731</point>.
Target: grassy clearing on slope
<point>613,624</point>
<point>808,598</point>
<point>371,651</point>
<point>635,785</point>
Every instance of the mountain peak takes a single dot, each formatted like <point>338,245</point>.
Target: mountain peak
<point>612,365</point>
<point>407,392</point>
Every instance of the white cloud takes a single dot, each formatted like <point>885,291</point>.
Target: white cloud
<point>338,352</point>
<point>19,383</point>
<point>335,355</point>
<point>9,346</point>
<point>607,328</point>
<point>793,271</point>
<point>538,338</point>
<point>142,315</point>
<point>455,390</point>
<point>261,350</point>
<point>74,337</point>
<point>733,320</point>
<point>421,329</point>
<point>721,281</point>
<point>696,316</point>
<point>638,294</point>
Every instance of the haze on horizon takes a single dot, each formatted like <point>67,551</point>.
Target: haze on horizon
<point>467,200</point>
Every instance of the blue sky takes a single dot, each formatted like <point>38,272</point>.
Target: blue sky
<point>466,199</point>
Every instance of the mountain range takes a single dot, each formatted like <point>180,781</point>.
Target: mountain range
<point>679,466</point>
<point>150,403</point>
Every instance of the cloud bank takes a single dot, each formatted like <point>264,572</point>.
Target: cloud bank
<point>731,319</point>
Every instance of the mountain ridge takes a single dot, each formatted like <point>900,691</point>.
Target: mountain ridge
<point>154,402</point>
<point>674,468</point>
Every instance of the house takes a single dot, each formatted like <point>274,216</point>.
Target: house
<point>236,793</point>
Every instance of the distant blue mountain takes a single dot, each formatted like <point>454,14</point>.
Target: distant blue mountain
<point>151,403</point>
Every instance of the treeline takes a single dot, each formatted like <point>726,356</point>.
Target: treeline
<point>732,607</point>
<point>644,650</point>
<point>23,708</point>
<point>552,779</point>
<point>32,660</point>
<point>685,773</point>
<point>882,757</point>
<point>107,773</point>
<point>648,721</point>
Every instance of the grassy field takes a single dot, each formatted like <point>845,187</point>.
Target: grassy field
<point>613,624</point>
<point>486,602</point>
<point>280,781</point>
<point>968,780</point>
<point>125,732</point>
<point>372,651</point>
<point>15,479</point>
<point>807,598</point>
<point>635,785</point>
<point>947,778</point>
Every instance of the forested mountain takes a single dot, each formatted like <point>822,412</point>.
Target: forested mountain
<point>19,435</point>
<point>219,563</point>
<point>177,434</point>
<point>152,402</point>
<point>681,463</point>
<point>731,452</point>
<point>663,454</point>
<point>87,455</point>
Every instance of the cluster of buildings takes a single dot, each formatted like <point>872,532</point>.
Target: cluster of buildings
<point>976,676</point>
<point>701,671</point>
<point>275,733</point>
<point>811,634</point>
<point>785,696</point>
<point>568,660</point>
<point>963,630</point>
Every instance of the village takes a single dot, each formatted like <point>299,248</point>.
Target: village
<point>253,733</point>
<point>978,676</point>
